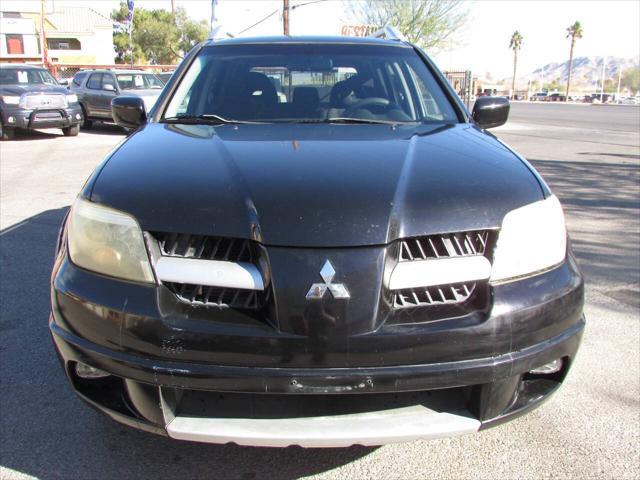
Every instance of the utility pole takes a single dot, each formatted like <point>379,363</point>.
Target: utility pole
<point>604,62</point>
<point>213,21</point>
<point>173,8</point>
<point>285,16</point>
<point>131,10</point>
<point>619,81</point>
<point>43,43</point>
<point>131,41</point>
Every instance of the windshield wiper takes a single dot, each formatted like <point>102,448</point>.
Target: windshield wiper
<point>363,120</point>
<point>209,119</point>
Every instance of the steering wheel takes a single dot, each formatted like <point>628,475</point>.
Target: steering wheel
<point>366,102</point>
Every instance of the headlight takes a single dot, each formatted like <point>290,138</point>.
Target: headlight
<point>11,99</point>
<point>72,98</point>
<point>108,241</point>
<point>532,238</point>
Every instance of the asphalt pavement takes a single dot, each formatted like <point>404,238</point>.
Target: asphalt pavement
<point>590,156</point>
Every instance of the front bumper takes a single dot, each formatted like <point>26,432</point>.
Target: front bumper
<point>169,368</point>
<point>14,116</point>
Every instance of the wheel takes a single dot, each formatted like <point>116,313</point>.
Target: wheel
<point>7,133</point>
<point>86,124</point>
<point>71,131</point>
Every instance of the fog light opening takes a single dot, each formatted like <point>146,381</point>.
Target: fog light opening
<point>78,117</point>
<point>86,371</point>
<point>548,368</point>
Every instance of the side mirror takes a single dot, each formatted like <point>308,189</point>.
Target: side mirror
<point>108,87</point>
<point>489,112</point>
<point>128,111</point>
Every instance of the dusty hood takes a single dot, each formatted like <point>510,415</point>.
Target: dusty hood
<point>314,185</point>
<point>33,89</point>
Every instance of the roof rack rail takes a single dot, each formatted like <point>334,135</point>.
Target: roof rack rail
<point>389,33</point>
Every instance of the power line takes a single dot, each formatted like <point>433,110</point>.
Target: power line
<point>260,21</point>
<point>293,7</point>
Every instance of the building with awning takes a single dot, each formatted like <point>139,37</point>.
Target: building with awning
<point>74,35</point>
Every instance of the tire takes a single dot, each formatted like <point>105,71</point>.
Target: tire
<point>71,131</point>
<point>86,124</point>
<point>7,133</point>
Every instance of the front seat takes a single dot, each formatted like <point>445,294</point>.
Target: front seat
<point>251,95</point>
<point>306,102</point>
<point>261,96</point>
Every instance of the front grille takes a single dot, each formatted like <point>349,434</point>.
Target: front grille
<point>445,245</point>
<point>433,296</point>
<point>217,297</point>
<point>47,116</point>
<point>45,101</point>
<point>205,247</point>
<point>441,301</point>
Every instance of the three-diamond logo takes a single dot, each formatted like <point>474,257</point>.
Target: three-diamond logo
<point>317,290</point>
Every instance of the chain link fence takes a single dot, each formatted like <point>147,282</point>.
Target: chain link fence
<point>66,71</point>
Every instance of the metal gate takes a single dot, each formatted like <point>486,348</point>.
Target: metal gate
<point>462,83</point>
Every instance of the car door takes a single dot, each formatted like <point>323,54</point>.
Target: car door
<point>92,93</point>
<point>109,91</point>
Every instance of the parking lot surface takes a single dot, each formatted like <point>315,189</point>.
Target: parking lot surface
<point>590,155</point>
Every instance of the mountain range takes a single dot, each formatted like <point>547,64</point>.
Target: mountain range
<point>585,70</point>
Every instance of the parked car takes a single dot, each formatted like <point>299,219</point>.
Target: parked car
<point>556,97</point>
<point>538,97</point>
<point>362,267</point>
<point>601,97</point>
<point>96,88</point>
<point>31,98</point>
<point>164,76</point>
<point>630,100</point>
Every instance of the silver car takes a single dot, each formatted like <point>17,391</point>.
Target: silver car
<point>96,88</point>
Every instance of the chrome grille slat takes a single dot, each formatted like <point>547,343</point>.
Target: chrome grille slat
<point>216,297</point>
<point>433,296</point>
<point>444,245</point>
<point>204,247</point>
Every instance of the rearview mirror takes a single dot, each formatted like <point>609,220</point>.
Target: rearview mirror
<point>108,87</point>
<point>128,111</point>
<point>490,112</point>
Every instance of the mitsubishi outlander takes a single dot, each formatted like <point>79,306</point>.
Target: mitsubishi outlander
<point>311,241</point>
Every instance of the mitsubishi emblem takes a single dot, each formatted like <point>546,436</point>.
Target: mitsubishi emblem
<point>317,290</point>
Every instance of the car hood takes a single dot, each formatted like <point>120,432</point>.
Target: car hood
<point>40,88</point>
<point>312,185</point>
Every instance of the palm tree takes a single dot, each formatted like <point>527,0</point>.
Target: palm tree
<point>574,31</point>
<point>515,44</point>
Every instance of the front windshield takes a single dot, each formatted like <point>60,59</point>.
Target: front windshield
<point>309,83</point>
<point>27,76</point>
<point>138,81</point>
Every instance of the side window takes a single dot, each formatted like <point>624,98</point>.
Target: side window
<point>428,103</point>
<point>77,80</point>
<point>399,89</point>
<point>108,79</point>
<point>95,81</point>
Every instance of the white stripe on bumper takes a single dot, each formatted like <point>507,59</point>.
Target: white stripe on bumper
<point>370,428</point>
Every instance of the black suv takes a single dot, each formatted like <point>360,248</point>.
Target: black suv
<point>31,98</point>
<point>311,241</point>
<point>96,88</point>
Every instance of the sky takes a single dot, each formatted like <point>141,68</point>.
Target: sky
<point>611,27</point>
